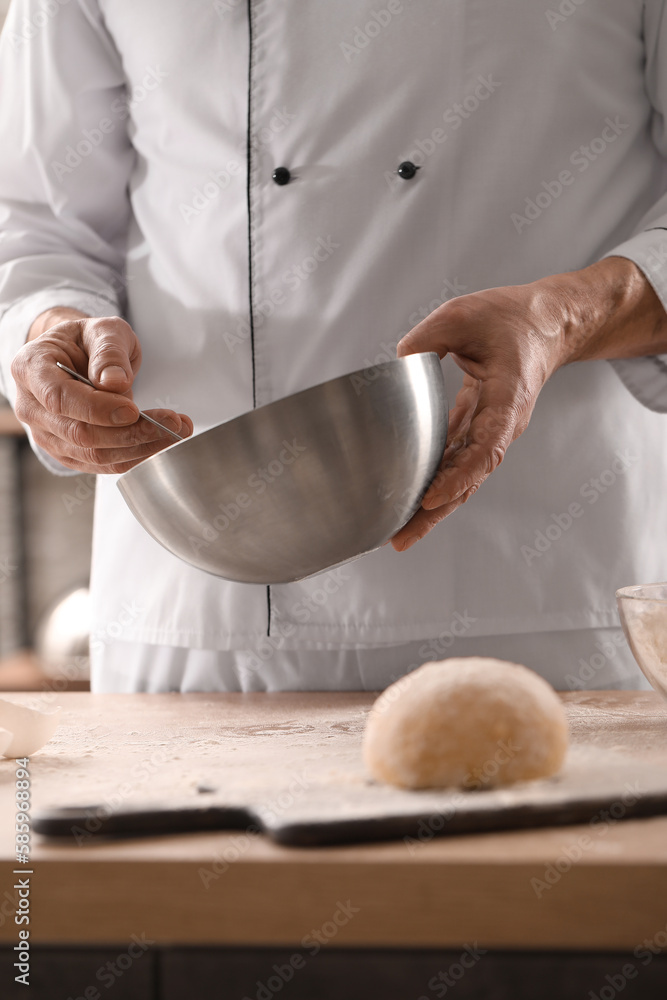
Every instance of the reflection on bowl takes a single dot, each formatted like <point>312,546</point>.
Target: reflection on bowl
<point>301,484</point>
<point>643,611</point>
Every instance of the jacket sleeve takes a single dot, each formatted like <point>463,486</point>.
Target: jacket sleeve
<point>64,171</point>
<point>646,378</point>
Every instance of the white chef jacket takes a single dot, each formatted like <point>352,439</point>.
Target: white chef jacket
<point>138,147</point>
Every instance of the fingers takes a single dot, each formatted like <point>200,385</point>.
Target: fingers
<point>461,415</point>
<point>114,353</point>
<point>187,426</point>
<point>491,431</point>
<point>97,461</point>
<point>429,335</point>
<point>496,421</point>
<point>89,346</point>
<point>503,340</point>
<point>61,395</point>
<point>89,429</point>
<point>424,521</point>
<point>84,435</point>
<point>111,456</point>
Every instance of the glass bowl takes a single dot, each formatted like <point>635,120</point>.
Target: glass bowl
<point>643,611</point>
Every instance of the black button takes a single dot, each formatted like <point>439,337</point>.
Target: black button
<point>281,175</point>
<point>407,170</point>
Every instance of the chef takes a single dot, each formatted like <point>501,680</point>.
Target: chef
<point>208,206</point>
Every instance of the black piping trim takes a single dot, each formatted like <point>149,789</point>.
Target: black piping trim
<point>251,316</point>
<point>248,199</point>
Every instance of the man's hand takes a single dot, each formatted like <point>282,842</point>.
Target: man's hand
<point>508,342</point>
<point>93,430</point>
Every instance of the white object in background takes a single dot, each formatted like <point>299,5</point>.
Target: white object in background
<point>62,642</point>
<point>28,728</point>
<point>5,739</point>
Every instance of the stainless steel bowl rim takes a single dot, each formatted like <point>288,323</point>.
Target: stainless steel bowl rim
<point>373,440</point>
<point>292,396</point>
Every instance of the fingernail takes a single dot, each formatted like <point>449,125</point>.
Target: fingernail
<point>440,499</point>
<point>111,374</point>
<point>123,415</point>
<point>434,500</point>
<point>412,540</point>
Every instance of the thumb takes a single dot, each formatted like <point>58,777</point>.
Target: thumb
<point>429,335</point>
<point>113,354</point>
<point>112,375</point>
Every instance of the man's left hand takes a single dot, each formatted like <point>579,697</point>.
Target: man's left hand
<point>508,342</point>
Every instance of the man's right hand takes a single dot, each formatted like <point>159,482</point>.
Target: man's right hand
<point>92,430</point>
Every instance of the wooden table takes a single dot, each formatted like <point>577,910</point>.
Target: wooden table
<point>22,671</point>
<point>245,900</point>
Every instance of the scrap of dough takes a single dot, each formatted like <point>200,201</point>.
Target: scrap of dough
<point>471,722</point>
<point>28,728</point>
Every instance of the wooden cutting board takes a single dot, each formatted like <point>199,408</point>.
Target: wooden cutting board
<point>303,799</point>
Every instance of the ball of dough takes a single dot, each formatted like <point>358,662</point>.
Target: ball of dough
<point>471,722</point>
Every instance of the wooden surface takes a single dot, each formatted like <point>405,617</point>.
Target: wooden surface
<point>333,974</point>
<point>21,671</point>
<point>9,425</point>
<point>603,888</point>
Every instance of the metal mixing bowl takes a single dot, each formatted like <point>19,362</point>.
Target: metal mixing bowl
<point>302,484</point>
<point>643,611</point>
